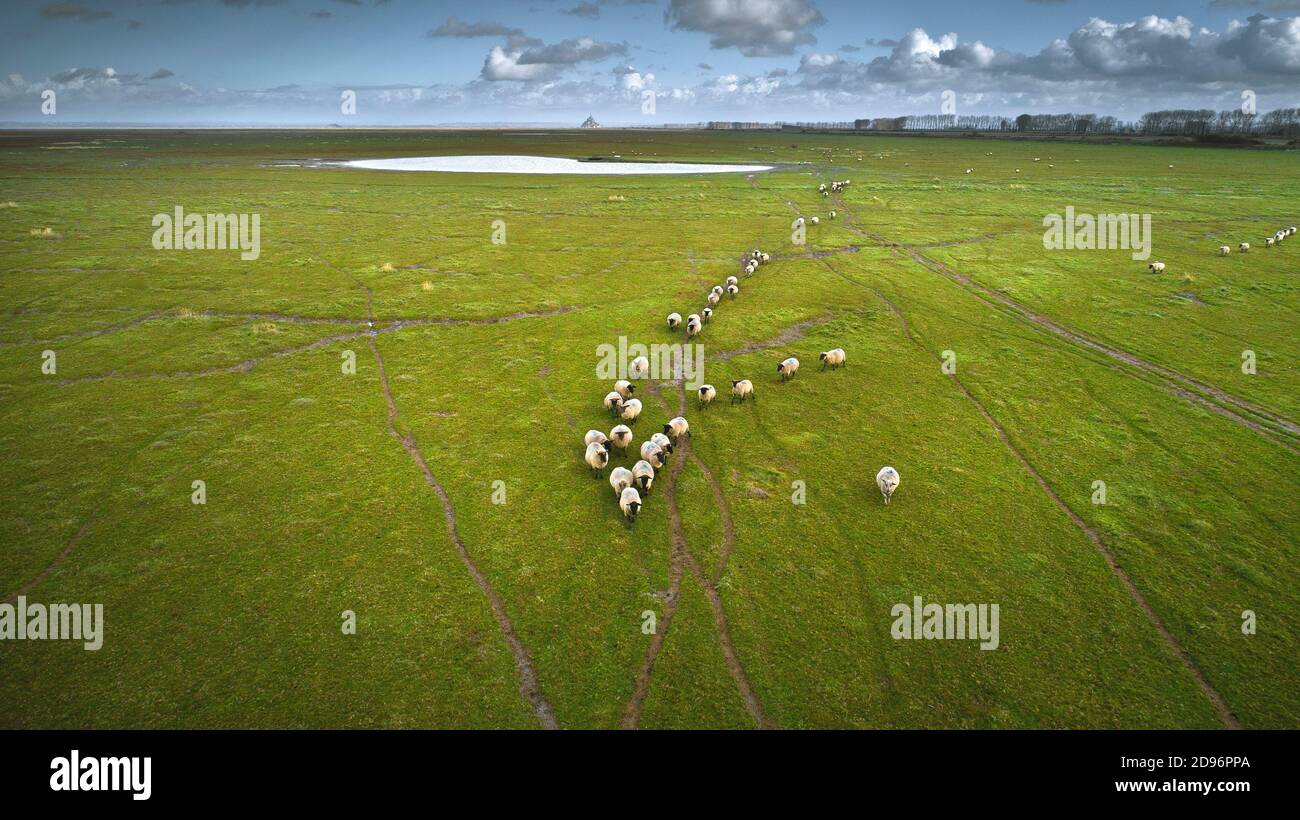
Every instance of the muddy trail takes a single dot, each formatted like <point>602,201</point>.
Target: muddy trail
<point>53,565</point>
<point>1220,705</point>
<point>1273,426</point>
<point>681,558</point>
<point>529,687</point>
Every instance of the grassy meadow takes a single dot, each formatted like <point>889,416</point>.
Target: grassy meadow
<point>1072,367</point>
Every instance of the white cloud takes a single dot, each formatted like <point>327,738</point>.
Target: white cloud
<point>757,28</point>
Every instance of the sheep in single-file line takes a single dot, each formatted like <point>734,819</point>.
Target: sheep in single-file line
<point>620,478</point>
<point>693,326</point>
<point>674,319</point>
<point>621,438</point>
<point>887,481</point>
<point>713,299</point>
<point>631,409</point>
<point>732,290</point>
<point>663,441</point>
<point>731,280</point>
<point>677,427</point>
<point>707,313</point>
<point>654,454</point>
<point>834,358</point>
<point>787,368</point>
<point>643,475</point>
<point>597,457</point>
<point>1268,241</point>
<point>630,502</point>
<point>1244,247</point>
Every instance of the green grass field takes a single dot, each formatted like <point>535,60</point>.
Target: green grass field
<point>1071,367</point>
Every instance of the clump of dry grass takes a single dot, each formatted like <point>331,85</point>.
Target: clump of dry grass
<point>43,233</point>
<point>426,285</point>
<point>264,327</point>
<point>9,204</point>
<point>617,198</point>
<point>387,267</point>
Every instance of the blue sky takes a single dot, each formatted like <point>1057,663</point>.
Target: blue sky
<point>288,61</point>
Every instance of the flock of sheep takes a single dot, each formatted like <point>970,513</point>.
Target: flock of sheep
<point>630,486</point>
<point>1243,247</point>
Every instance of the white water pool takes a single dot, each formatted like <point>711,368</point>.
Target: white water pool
<point>516,164</point>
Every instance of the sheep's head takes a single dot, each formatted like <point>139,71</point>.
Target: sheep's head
<point>633,508</point>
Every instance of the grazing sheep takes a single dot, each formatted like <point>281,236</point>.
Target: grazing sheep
<point>620,478</point>
<point>788,368</point>
<point>1291,230</point>
<point>1280,235</point>
<point>707,313</point>
<point>653,453</point>
<point>674,319</point>
<point>629,501</point>
<point>597,457</point>
<point>1268,241</point>
<point>834,358</point>
<point>693,326</point>
<point>887,481</point>
<point>631,409</point>
<point>717,289</point>
<point>814,220</point>
<point>677,427</point>
<point>595,437</point>
<point>741,389</point>
<point>1224,250</point>
<point>713,299</point>
<point>768,257</point>
<point>613,402</point>
<point>639,368</point>
<point>663,441</point>
<point>969,170</point>
<point>831,214</point>
<point>731,280</point>
<point>1244,247</point>
<point>707,394</point>
<point>1157,267</point>
<point>643,474</point>
<point>798,221</point>
<point>621,437</point>
<point>732,290</point>
<point>624,388</point>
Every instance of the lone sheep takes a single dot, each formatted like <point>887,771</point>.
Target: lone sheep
<point>674,319</point>
<point>787,368</point>
<point>834,358</point>
<point>1244,247</point>
<point>887,481</point>
<point>1224,250</point>
<point>1157,267</point>
<point>741,389</point>
<point>707,394</point>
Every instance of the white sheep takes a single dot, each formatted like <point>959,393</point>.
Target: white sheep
<point>613,402</point>
<point>717,289</point>
<point>707,313</point>
<point>631,409</point>
<point>969,170</point>
<point>815,220</point>
<point>887,481</point>
<point>732,290</point>
<point>639,368</point>
<point>621,437</point>
<point>630,502</point>
<point>665,443</point>
<point>1291,230</point>
<point>596,457</point>
<point>1157,267</point>
<point>677,427</point>
<point>1244,247</point>
<point>595,437</point>
<point>693,326</point>
<point>713,299</point>
<point>1268,241</point>
<point>624,388</point>
<point>620,478</point>
<point>768,257</point>
<point>741,389</point>
<point>1224,250</point>
<point>798,221</point>
<point>834,358</point>
<point>707,394</point>
<point>731,280</point>
<point>787,368</point>
<point>674,319</point>
<point>653,453</point>
<point>831,214</point>
<point>643,474</point>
